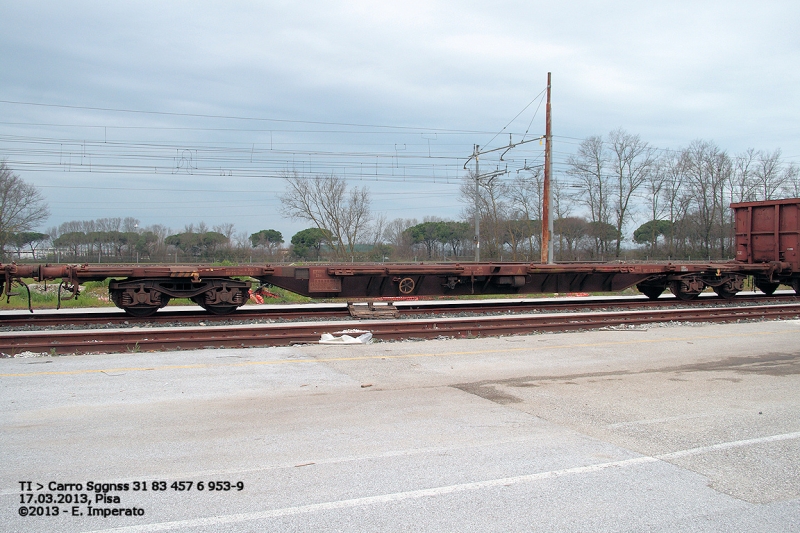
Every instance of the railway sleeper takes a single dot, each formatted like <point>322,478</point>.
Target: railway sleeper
<point>370,310</point>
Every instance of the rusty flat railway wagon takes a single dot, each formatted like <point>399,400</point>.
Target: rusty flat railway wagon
<point>767,241</point>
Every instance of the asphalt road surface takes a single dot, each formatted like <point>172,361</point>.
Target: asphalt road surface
<point>680,428</point>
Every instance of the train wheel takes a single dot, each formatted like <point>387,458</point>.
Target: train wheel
<point>222,302</point>
<point>796,285</point>
<point>678,289</point>
<point>138,302</point>
<point>220,309</point>
<point>767,288</point>
<point>651,291</point>
<point>142,311</point>
<point>724,293</point>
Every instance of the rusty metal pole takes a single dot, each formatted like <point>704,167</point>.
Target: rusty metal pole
<point>477,209</point>
<point>547,217</point>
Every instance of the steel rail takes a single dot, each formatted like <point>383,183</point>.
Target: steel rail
<point>157,338</point>
<point>117,317</point>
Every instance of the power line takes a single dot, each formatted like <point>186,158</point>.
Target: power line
<point>234,117</point>
<point>515,118</point>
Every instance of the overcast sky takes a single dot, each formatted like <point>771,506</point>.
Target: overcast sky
<point>181,112</point>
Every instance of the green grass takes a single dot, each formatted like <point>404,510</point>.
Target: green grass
<point>95,294</point>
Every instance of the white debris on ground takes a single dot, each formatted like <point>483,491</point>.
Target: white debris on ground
<point>22,355</point>
<point>346,337</point>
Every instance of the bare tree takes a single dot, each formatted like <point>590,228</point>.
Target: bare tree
<point>130,225</point>
<point>769,176</point>
<point>675,197</point>
<point>377,228</point>
<point>398,238</point>
<point>71,227</point>
<point>633,161</point>
<point>160,233</point>
<point>22,206</point>
<point>241,241</point>
<point>791,189</point>
<point>590,169</point>
<point>89,226</point>
<point>742,180</point>
<point>562,205</point>
<point>525,195</point>
<point>708,170</point>
<point>227,229</point>
<point>493,208</point>
<point>654,186</point>
<point>107,224</point>
<point>721,173</point>
<point>326,202</point>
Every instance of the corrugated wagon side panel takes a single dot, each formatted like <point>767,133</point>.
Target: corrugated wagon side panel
<point>765,238</point>
<point>768,231</point>
<point>744,251</point>
<point>790,234</point>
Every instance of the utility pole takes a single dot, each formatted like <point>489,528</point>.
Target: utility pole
<point>475,154</point>
<point>547,216</point>
<point>489,175</point>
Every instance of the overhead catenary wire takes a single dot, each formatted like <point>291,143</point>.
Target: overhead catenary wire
<point>538,96</point>
<point>234,117</point>
<point>57,156</point>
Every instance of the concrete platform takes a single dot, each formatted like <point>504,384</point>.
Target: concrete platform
<point>679,428</point>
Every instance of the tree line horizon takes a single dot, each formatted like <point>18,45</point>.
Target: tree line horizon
<point>682,197</point>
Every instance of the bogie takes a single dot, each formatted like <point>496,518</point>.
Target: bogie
<point>685,291</point>
<point>143,297</point>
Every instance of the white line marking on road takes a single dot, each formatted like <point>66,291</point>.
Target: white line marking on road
<point>728,445</point>
<point>439,491</point>
<point>222,473</point>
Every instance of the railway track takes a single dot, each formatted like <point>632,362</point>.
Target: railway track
<point>251,335</point>
<point>252,313</point>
